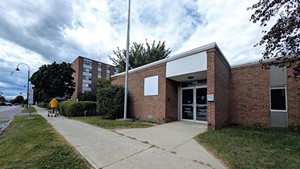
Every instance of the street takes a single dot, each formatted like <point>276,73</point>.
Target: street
<point>7,113</point>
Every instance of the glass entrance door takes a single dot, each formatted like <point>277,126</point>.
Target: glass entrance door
<point>201,104</point>
<point>194,103</point>
<point>188,104</point>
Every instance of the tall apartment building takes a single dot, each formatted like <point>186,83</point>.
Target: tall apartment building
<point>87,72</point>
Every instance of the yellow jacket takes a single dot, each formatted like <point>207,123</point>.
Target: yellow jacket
<point>53,103</point>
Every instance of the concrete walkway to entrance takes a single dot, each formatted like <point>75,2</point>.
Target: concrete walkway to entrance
<point>165,148</point>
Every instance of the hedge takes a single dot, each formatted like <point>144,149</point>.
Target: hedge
<point>43,105</point>
<point>90,107</point>
<point>110,102</point>
<point>73,108</point>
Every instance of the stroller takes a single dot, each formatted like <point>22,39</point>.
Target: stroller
<point>52,112</point>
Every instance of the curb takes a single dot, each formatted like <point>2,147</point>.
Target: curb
<point>6,125</point>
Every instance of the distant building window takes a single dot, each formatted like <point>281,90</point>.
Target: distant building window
<point>99,72</point>
<point>86,77</point>
<point>107,75</point>
<point>116,71</point>
<point>278,98</point>
<point>87,85</point>
<point>87,70</point>
<point>99,65</point>
<point>87,62</point>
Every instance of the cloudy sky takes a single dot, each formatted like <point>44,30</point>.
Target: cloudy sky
<point>43,31</point>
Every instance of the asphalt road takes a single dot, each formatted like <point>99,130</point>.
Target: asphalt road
<point>7,113</point>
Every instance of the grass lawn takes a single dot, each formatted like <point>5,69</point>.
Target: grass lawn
<point>26,110</point>
<point>112,124</point>
<point>254,148</point>
<point>33,143</point>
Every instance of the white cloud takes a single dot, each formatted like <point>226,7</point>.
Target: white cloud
<point>41,32</point>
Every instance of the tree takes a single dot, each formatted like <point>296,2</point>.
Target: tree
<point>282,41</point>
<point>18,99</point>
<point>54,80</point>
<point>2,99</point>
<point>140,55</point>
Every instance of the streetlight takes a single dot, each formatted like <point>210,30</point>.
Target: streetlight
<point>17,69</point>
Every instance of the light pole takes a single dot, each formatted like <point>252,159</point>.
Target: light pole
<point>127,58</point>
<point>17,69</point>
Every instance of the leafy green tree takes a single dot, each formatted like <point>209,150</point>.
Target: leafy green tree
<point>53,80</point>
<point>18,99</point>
<point>282,41</point>
<point>139,55</point>
<point>2,99</point>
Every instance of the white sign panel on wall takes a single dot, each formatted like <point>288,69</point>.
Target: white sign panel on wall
<point>151,86</point>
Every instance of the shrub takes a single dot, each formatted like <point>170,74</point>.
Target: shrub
<point>43,105</point>
<point>110,102</point>
<point>71,108</point>
<point>62,107</point>
<point>74,109</point>
<point>294,127</point>
<point>90,107</point>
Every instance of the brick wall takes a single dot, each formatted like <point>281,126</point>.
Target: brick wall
<point>293,97</point>
<point>222,97</point>
<point>144,107</point>
<point>249,95</point>
<point>218,83</point>
<point>77,66</point>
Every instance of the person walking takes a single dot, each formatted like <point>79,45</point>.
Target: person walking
<point>53,106</point>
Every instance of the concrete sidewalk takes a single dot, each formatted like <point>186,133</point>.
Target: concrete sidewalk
<point>105,149</point>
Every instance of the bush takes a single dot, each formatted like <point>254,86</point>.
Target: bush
<point>110,102</point>
<point>43,105</point>
<point>90,107</point>
<point>71,108</point>
<point>74,109</point>
<point>62,107</point>
<point>294,127</point>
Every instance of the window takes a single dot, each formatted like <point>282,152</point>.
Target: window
<point>278,98</point>
<point>99,65</point>
<point>87,62</point>
<point>86,77</point>
<point>87,85</point>
<point>116,71</point>
<point>107,75</point>
<point>87,70</point>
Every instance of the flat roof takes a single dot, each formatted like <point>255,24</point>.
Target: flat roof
<point>178,56</point>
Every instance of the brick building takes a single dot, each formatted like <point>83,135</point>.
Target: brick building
<point>200,85</point>
<point>87,72</point>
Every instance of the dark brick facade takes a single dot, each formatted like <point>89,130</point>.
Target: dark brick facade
<point>249,93</point>
<point>78,66</point>
<point>293,98</point>
<point>146,107</point>
<point>218,84</point>
<point>241,94</point>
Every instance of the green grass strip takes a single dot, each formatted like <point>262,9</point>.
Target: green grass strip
<point>254,148</point>
<point>30,142</point>
<point>112,124</point>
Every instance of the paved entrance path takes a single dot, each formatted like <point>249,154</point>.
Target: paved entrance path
<point>110,150</point>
